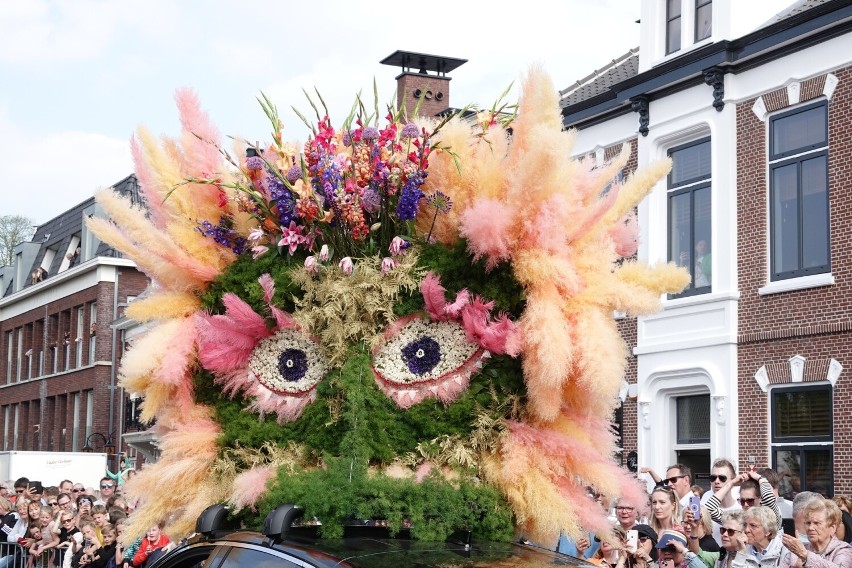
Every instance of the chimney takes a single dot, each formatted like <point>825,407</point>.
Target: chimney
<point>423,76</point>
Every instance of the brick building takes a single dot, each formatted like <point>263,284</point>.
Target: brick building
<point>754,109</point>
<point>59,349</point>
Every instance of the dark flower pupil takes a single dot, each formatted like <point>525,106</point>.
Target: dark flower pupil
<point>292,364</point>
<point>421,355</point>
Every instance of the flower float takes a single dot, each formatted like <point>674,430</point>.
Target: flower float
<point>401,319</point>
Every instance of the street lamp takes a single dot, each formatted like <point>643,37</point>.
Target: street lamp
<point>109,446</point>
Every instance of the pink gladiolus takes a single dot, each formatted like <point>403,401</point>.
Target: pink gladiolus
<point>323,255</point>
<point>258,251</point>
<point>346,265</point>
<point>311,264</point>
<point>388,264</point>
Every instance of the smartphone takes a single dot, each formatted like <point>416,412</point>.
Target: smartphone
<point>631,544</point>
<point>37,486</point>
<point>695,507</point>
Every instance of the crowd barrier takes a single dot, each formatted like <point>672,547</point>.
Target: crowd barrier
<point>16,556</point>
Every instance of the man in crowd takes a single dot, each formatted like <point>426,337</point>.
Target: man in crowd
<point>679,477</point>
<point>107,487</point>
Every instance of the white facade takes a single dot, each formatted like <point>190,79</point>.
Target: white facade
<point>690,347</point>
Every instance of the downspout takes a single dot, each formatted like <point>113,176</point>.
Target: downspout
<point>112,371</point>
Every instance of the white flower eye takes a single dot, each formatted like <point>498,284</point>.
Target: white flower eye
<point>289,362</point>
<point>425,359</point>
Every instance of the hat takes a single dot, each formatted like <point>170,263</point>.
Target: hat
<point>645,530</point>
<point>669,537</point>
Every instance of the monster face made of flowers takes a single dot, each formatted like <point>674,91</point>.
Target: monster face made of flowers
<point>402,320</point>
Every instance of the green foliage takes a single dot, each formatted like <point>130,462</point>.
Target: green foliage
<point>435,507</point>
<point>457,270</point>
<point>354,430</point>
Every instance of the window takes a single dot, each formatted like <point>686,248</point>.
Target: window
<point>802,439</point>
<point>693,419</point>
<point>799,236</point>
<point>689,204</point>
<point>9,350</point>
<point>78,341</point>
<point>703,19</point>
<point>672,26</point>
<point>75,428</point>
<point>93,329</point>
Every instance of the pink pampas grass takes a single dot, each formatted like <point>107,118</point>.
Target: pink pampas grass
<point>249,487</point>
<point>487,226</point>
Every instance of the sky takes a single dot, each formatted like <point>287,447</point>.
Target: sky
<point>77,77</point>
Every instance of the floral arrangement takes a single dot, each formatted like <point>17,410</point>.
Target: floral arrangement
<point>423,307</point>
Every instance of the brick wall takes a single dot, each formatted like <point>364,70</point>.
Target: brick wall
<point>49,401</point>
<point>439,87</point>
<point>814,323</point>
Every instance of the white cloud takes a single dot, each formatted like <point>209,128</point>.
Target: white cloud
<point>48,174</point>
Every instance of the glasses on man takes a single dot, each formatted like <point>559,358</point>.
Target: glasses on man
<point>19,490</point>
<point>77,490</point>
<point>729,532</point>
<point>107,485</point>
<point>748,502</point>
<point>722,478</point>
<point>623,509</point>
<point>68,520</point>
<point>673,480</point>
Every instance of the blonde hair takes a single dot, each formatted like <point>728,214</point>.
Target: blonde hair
<point>675,516</point>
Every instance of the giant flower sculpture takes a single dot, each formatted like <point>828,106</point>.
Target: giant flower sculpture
<point>399,320</point>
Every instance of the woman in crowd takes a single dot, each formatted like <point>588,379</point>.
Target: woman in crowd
<point>664,509</point>
<point>700,531</point>
<point>84,552</point>
<point>84,507</point>
<point>8,520</point>
<point>673,551</point>
<point>765,549</point>
<point>823,549</point>
<point>733,539</point>
<point>19,531</point>
<point>67,530</point>
<point>610,550</point>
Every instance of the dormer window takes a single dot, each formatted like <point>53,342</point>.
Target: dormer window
<point>673,20</point>
<point>703,19</point>
<point>687,22</point>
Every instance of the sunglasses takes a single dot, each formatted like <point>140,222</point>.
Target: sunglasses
<point>19,491</point>
<point>722,478</point>
<point>749,502</point>
<point>729,532</point>
<point>107,485</point>
<point>77,490</point>
<point>53,503</point>
<point>643,538</point>
<point>67,520</point>
<point>85,502</point>
<point>673,480</point>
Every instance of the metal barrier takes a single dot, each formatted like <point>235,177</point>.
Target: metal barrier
<point>13,555</point>
<point>17,556</point>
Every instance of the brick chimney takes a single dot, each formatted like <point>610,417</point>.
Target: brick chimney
<point>423,75</point>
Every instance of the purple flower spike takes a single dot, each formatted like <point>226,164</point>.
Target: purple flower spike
<point>370,134</point>
<point>293,174</point>
<point>254,163</point>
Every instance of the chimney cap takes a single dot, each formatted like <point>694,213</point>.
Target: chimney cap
<point>422,62</point>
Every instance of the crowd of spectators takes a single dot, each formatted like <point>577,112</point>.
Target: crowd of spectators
<point>70,526</point>
<point>740,522</point>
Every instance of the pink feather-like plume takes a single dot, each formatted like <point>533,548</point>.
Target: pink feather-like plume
<point>249,487</point>
<point>487,226</point>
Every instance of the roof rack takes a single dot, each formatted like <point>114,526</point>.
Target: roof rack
<point>279,521</point>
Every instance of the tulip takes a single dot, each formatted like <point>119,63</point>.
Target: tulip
<point>258,251</point>
<point>323,255</point>
<point>388,264</point>
<point>346,265</point>
<point>398,244</point>
<point>311,265</point>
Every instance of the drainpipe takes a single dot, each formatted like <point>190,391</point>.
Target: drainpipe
<point>112,371</point>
